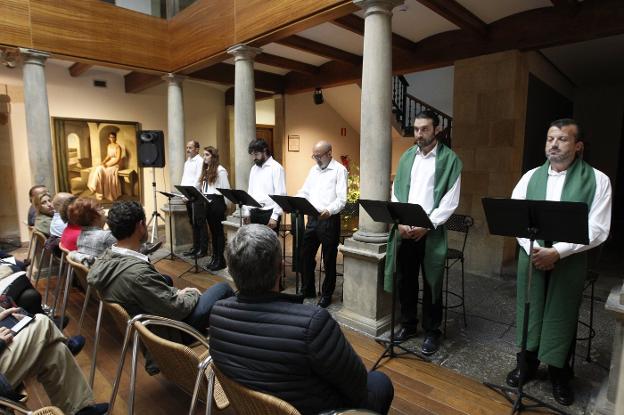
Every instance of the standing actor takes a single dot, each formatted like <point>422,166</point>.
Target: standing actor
<point>560,270</point>
<point>429,174</point>
<point>326,189</point>
<point>265,178</point>
<point>190,177</point>
<point>214,176</point>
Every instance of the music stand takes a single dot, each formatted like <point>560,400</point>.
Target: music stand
<point>193,195</point>
<point>533,219</point>
<point>170,196</point>
<point>299,206</point>
<point>240,198</point>
<point>396,213</point>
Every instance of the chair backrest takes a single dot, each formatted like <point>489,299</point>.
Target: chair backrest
<point>80,271</point>
<point>18,408</point>
<point>460,223</point>
<point>176,362</point>
<point>120,315</point>
<point>41,238</point>
<point>246,401</point>
<point>62,248</point>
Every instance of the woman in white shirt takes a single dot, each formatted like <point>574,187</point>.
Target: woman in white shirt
<point>213,177</point>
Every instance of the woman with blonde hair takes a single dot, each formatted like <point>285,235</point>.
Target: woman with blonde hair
<point>213,177</point>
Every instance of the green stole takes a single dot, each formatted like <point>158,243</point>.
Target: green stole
<point>579,186</point>
<point>447,169</point>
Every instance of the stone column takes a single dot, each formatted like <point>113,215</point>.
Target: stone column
<point>244,110</point>
<point>175,128</point>
<point>376,112</point>
<point>366,305</point>
<point>38,118</point>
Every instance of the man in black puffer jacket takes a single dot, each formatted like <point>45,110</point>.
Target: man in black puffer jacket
<point>272,343</point>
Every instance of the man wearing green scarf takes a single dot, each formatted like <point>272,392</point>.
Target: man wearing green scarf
<point>428,175</point>
<point>559,271</point>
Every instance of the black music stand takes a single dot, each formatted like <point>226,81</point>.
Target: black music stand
<point>169,196</point>
<point>193,195</point>
<point>240,198</point>
<point>396,213</point>
<point>299,206</point>
<point>533,219</point>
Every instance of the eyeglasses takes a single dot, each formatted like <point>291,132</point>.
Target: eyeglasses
<point>320,156</point>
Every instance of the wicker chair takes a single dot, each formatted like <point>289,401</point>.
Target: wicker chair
<point>19,408</point>
<point>246,401</point>
<point>179,363</point>
<point>80,271</point>
<point>32,250</point>
<point>57,291</point>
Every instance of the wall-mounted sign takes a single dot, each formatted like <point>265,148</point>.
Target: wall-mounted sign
<point>293,143</point>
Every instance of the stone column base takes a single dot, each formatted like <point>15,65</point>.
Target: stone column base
<point>602,405</point>
<point>230,226</point>
<point>366,306</point>
<point>182,231</point>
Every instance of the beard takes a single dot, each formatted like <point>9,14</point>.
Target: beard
<point>424,142</point>
<point>259,163</point>
<point>557,157</point>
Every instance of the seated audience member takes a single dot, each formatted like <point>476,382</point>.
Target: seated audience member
<point>33,193</point>
<point>93,240</point>
<point>272,343</point>
<point>43,204</point>
<point>41,350</point>
<point>58,225</point>
<point>69,238</point>
<point>125,276</point>
<point>15,284</point>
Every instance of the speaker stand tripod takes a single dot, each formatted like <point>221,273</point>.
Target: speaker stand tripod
<point>153,222</point>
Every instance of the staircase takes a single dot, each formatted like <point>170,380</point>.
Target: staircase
<point>405,107</point>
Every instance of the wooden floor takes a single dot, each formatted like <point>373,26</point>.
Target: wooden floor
<point>420,388</point>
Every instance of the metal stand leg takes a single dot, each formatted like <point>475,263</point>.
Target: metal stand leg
<point>96,343</point>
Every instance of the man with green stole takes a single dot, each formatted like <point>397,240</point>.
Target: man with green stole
<point>429,174</point>
<point>559,271</point>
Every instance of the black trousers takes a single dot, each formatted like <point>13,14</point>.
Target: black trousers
<point>410,263</point>
<point>325,233</point>
<point>216,214</point>
<point>263,217</point>
<point>200,232</point>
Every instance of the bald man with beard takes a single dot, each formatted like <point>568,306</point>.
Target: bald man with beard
<point>326,189</point>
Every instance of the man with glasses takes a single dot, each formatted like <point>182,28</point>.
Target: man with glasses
<point>265,178</point>
<point>196,210</point>
<point>326,189</point>
<point>429,174</point>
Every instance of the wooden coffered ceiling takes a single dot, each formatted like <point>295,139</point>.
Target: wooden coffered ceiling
<point>309,44</point>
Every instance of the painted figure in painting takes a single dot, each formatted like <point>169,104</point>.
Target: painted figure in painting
<point>103,180</point>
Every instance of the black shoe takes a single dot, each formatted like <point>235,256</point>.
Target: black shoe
<point>75,344</point>
<point>309,293</point>
<point>324,301</point>
<point>561,389</point>
<point>57,322</point>
<point>431,343</point>
<point>190,252</point>
<point>202,254</point>
<point>97,409</point>
<point>211,261</point>
<point>405,333</point>
<point>149,248</point>
<point>513,377</point>
<point>217,265</point>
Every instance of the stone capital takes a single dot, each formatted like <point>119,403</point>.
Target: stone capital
<point>173,78</point>
<point>32,56</point>
<point>243,52</point>
<point>371,237</point>
<point>377,6</point>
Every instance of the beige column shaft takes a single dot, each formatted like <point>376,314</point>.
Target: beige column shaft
<point>175,129</point>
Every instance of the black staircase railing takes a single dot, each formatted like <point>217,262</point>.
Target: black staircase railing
<point>405,107</point>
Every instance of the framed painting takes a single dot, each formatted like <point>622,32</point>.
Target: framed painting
<point>97,159</point>
<point>293,143</point>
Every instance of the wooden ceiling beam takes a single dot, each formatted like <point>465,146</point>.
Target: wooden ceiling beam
<point>355,24</point>
<point>223,73</point>
<point>530,30</point>
<point>79,68</point>
<point>285,63</point>
<point>454,12</point>
<point>316,48</point>
<point>136,82</point>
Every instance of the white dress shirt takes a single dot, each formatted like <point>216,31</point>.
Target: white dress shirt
<point>599,211</point>
<point>422,183</point>
<point>192,171</point>
<point>266,180</point>
<point>57,226</point>
<point>326,189</point>
<point>221,182</point>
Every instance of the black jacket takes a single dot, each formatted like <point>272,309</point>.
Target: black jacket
<point>293,351</point>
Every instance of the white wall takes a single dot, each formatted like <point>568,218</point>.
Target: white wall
<point>77,98</point>
<point>435,87</point>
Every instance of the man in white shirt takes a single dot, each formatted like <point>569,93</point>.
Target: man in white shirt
<point>197,211</point>
<point>265,178</point>
<point>560,270</point>
<point>326,189</point>
<point>429,174</point>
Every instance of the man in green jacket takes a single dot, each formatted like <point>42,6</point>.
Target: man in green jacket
<point>126,277</point>
<point>560,270</point>
<point>429,174</point>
